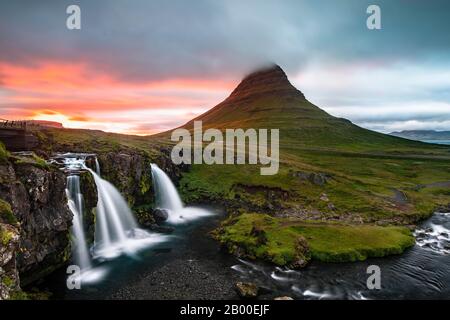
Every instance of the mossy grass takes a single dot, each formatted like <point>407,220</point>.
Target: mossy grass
<point>4,154</point>
<point>328,242</point>
<point>34,160</point>
<point>6,213</point>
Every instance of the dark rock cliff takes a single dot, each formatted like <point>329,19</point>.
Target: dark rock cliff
<point>36,196</point>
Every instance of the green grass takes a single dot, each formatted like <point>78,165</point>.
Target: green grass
<point>3,153</point>
<point>360,186</point>
<point>5,236</point>
<point>339,243</point>
<point>277,247</point>
<point>95,141</point>
<point>6,213</point>
<point>328,242</point>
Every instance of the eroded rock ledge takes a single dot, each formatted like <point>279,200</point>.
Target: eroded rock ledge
<point>35,221</point>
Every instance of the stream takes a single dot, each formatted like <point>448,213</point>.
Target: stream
<point>422,272</point>
<point>127,262</point>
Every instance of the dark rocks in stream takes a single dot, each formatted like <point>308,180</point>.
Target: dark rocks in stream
<point>160,215</point>
<point>161,229</point>
<point>247,290</point>
<point>283,298</point>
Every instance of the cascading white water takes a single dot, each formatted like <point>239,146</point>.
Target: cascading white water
<point>115,222</point>
<point>166,194</point>
<point>97,166</point>
<point>116,230</point>
<point>167,197</point>
<point>75,203</point>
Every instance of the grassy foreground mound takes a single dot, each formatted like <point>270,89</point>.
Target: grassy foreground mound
<point>289,241</point>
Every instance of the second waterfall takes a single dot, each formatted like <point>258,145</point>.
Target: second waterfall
<point>167,198</point>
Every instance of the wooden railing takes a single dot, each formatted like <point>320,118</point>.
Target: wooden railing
<point>17,124</point>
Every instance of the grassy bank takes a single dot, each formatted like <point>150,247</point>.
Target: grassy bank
<point>259,236</point>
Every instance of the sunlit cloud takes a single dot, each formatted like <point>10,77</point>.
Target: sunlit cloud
<point>122,71</point>
<point>80,98</point>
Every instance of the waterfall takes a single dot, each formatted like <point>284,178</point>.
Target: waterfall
<point>115,223</point>
<point>97,166</point>
<point>116,230</point>
<point>75,203</point>
<point>167,197</point>
<point>166,194</point>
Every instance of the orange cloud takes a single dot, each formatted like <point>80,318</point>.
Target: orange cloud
<point>79,95</point>
<point>79,118</point>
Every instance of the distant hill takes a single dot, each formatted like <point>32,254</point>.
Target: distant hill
<point>422,134</point>
<point>46,123</point>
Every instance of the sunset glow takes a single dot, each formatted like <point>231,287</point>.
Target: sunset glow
<point>78,96</point>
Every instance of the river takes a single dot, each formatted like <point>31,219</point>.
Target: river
<point>191,265</point>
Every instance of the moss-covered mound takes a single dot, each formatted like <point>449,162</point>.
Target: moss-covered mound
<point>290,241</point>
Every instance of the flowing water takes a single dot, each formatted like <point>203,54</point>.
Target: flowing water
<point>422,272</point>
<point>116,230</point>
<point>75,202</point>
<point>167,198</point>
<point>97,166</point>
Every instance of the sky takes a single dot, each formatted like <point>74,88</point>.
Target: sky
<point>141,67</point>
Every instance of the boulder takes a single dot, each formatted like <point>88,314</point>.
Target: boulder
<point>160,215</point>
<point>247,290</point>
<point>283,298</point>
<point>319,179</point>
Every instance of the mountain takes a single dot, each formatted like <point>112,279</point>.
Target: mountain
<point>328,165</point>
<point>422,134</point>
<point>335,180</point>
<point>267,99</point>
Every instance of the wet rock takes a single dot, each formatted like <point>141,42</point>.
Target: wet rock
<point>283,298</point>
<point>247,290</point>
<point>9,246</point>
<point>160,215</point>
<point>37,197</point>
<point>161,229</point>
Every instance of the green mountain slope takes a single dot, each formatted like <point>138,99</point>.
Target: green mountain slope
<point>336,181</point>
<point>330,170</point>
<point>266,99</point>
